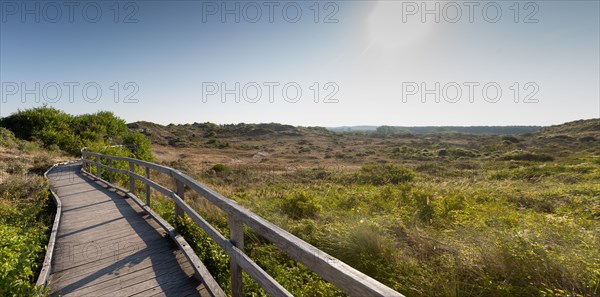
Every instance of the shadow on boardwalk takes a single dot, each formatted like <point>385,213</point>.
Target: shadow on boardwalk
<point>107,245</point>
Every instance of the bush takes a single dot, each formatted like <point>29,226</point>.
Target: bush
<point>587,139</point>
<point>38,122</point>
<point>300,205</point>
<point>442,153</point>
<point>24,221</point>
<point>18,254</point>
<point>511,139</point>
<point>460,152</point>
<point>7,138</point>
<point>56,129</point>
<point>139,145</point>
<point>382,174</point>
<point>526,156</point>
<point>219,168</point>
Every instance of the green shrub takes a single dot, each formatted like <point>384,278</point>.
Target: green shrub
<point>219,168</point>
<point>19,252</point>
<point>511,139</point>
<point>587,139</point>
<point>300,205</point>
<point>38,122</point>
<point>25,217</point>
<point>7,138</point>
<point>424,206</point>
<point>458,152</point>
<point>210,134</point>
<point>526,156</point>
<point>442,153</point>
<point>382,174</point>
<point>364,247</point>
<point>139,145</point>
<point>56,129</point>
<point>16,167</point>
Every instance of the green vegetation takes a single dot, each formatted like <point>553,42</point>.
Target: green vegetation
<point>31,141</point>
<point>25,216</point>
<point>441,214</point>
<point>382,174</point>
<point>56,129</point>
<point>467,236</point>
<point>26,213</point>
<point>394,130</point>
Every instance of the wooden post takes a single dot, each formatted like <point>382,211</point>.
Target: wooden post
<point>110,173</point>
<point>131,179</point>
<point>98,168</point>
<point>236,228</point>
<point>148,187</point>
<point>181,193</point>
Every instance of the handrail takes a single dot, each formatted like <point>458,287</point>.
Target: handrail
<point>346,278</point>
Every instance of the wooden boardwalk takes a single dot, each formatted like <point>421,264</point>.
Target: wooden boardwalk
<point>107,245</point>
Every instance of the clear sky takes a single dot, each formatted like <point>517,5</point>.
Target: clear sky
<point>364,62</point>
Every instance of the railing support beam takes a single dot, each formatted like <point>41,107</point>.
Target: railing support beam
<point>236,228</point>
<point>148,187</point>
<point>110,173</point>
<point>131,178</point>
<point>180,191</point>
<point>98,168</point>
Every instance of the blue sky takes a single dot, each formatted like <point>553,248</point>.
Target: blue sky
<point>365,54</point>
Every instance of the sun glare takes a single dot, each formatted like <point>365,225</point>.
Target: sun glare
<point>390,30</point>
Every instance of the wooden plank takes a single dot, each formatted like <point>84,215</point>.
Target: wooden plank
<point>267,282</point>
<point>181,193</point>
<point>197,291</point>
<point>131,179</point>
<point>236,229</point>
<point>109,283</point>
<point>149,261</point>
<point>88,253</point>
<point>132,256</point>
<point>98,168</point>
<point>159,168</point>
<point>201,272</point>
<point>150,231</point>
<point>134,285</point>
<point>174,289</point>
<point>148,191</point>
<point>101,226</point>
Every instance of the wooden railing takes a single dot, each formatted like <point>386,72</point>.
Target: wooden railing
<point>346,278</point>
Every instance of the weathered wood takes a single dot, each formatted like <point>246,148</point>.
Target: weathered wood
<point>267,282</point>
<point>236,230</point>
<point>112,283</point>
<point>148,193</point>
<point>201,272</point>
<point>98,168</point>
<point>105,238</point>
<point>181,193</point>
<point>156,167</point>
<point>110,172</point>
<point>131,179</point>
<point>161,189</point>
